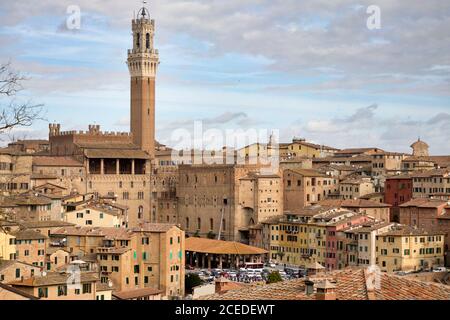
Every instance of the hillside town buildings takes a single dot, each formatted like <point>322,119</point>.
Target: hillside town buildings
<point>130,217</point>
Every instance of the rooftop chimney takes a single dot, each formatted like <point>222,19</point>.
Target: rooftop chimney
<point>326,290</point>
<point>309,287</point>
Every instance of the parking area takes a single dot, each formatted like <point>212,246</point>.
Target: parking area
<point>248,275</point>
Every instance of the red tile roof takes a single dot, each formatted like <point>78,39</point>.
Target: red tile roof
<point>350,284</point>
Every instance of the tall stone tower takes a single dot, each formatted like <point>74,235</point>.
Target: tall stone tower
<point>143,63</point>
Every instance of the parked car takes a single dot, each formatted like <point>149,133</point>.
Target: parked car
<point>439,269</point>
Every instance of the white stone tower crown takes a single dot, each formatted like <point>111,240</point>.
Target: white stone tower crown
<point>143,59</point>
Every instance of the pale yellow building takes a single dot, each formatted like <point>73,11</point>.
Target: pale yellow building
<point>408,249</point>
<point>55,286</point>
<point>354,188</point>
<point>431,183</point>
<point>7,245</point>
<point>95,214</point>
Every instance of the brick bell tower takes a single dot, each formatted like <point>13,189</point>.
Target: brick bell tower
<point>143,63</point>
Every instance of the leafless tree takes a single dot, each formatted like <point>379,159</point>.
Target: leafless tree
<point>15,114</point>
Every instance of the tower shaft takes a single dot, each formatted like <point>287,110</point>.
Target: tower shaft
<point>143,63</point>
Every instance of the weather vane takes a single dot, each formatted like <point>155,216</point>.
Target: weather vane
<point>144,2</point>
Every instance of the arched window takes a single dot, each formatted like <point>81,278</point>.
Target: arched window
<point>140,212</point>
<point>224,225</point>
<point>199,223</point>
<point>187,223</point>
<point>147,41</point>
<point>211,224</point>
<point>138,40</point>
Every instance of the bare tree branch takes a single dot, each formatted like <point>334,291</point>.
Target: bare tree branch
<point>10,80</point>
<point>15,114</point>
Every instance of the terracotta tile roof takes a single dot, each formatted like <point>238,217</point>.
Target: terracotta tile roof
<point>399,176</point>
<point>52,161</point>
<point>308,173</point>
<point>30,199</point>
<point>7,263</point>
<point>273,219</point>
<point>424,203</point>
<point>136,293</point>
<point>339,167</point>
<point>108,233</point>
<point>358,158</point>
<point>442,161</point>
<point>353,203</point>
<point>203,245</point>
<point>7,203</point>
<point>405,230</point>
<point>358,151</point>
<point>309,211</point>
<point>372,195</point>
<point>103,286</point>
<point>254,175</point>
<point>418,158</point>
<point>29,235</point>
<point>350,284</point>
<point>17,291</point>
<point>53,278</point>
<point>370,226</point>
<point>431,173</point>
<point>13,151</point>
<point>45,224</point>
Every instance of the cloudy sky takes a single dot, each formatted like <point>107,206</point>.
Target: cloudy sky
<point>306,68</point>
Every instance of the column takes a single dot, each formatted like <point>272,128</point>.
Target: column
<point>117,166</point>
<point>102,166</point>
<point>87,166</point>
<point>197,260</point>
<point>132,167</point>
<point>209,261</point>
<point>220,262</point>
<point>203,261</point>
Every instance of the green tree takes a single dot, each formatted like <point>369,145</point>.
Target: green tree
<point>191,280</point>
<point>273,277</point>
<point>211,235</point>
